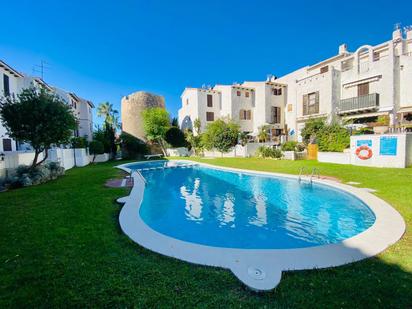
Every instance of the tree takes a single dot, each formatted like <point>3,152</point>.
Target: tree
<point>311,130</point>
<point>111,124</point>
<point>262,135</point>
<point>195,142</point>
<point>221,135</point>
<point>175,122</point>
<point>197,125</point>
<point>110,115</point>
<point>155,124</point>
<point>38,117</point>
<point>175,137</point>
<point>96,147</point>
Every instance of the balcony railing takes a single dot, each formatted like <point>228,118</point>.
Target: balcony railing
<point>365,102</point>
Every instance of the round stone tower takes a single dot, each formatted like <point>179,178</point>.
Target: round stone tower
<point>132,107</point>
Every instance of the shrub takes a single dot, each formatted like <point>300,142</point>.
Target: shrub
<point>268,152</point>
<point>220,135</point>
<point>79,142</point>
<point>311,129</point>
<point>96,148</point>
<point>27,176</point>
<point>175,137</point>
<point>289,146</point>
<point>132,147</point>
<point>333,138</point>
<point>300,147</point>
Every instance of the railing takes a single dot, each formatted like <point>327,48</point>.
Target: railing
<point>354,104</point>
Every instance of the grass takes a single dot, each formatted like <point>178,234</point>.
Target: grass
<point>61,246</point>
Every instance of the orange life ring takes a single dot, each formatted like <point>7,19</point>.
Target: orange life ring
<point>365,148</point>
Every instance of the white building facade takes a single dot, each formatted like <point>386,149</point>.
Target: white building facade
<point>250,104</point>
<point>355,87</point>
<point>13,82</point>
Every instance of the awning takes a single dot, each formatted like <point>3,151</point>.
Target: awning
<point>405,110</point>
<point>365,115</point>
<point>386,109</point>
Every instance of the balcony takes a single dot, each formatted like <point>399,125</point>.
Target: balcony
<point>359,104</point>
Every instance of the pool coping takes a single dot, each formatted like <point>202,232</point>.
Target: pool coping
<point>261,269</point>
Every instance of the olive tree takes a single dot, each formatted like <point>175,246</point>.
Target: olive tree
<point>37,117</point>
<point>156,122</point>
<point>221,135</point>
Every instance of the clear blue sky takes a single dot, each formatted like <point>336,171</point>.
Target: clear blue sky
<point>104,50</point>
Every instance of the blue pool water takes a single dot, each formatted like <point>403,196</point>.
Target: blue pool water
<point>155,164</point>
<point>228,209</point>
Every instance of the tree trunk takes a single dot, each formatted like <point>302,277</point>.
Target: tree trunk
<point>36,156</point>
<point>163,147</point>
<point>45,157</point>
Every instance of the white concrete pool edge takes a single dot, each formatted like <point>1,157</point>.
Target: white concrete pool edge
<point>261,269</point>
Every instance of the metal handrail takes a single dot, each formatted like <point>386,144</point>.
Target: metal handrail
<point>302,169</point>
<point>315,171</point>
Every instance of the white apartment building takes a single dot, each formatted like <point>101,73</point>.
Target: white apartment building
<point>353,86</point>
<point>251,105</point>
<point>12,82</point>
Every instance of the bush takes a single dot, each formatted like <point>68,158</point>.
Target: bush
<point>175,137</point>
<point>220,135</point>
<point>268,152</point>
<point>300,147</point>
<point>27,176</point>
<point>79,142</point>
<point>96,148</point>
<point>132,147</point>
<point>289,146</point>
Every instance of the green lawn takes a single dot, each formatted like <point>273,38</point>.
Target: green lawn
<point>61,246</point>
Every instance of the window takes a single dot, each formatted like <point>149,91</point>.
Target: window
<point>245,114</point>
<point>210,116</point>
<point>6,85</point>
<point>310,103</point>
<point>238,93</point>
<point>277,91</point>
<point>324,69</point>
<point>209,100</point>
<point>7,144</point>
<point>187,101</point>
<point>290,107</point>
<point>363,89</point>
<point>247,94</point>
<point>376,56</point>
<point>275,114</point>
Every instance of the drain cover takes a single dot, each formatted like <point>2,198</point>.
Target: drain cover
<point>256,273</point>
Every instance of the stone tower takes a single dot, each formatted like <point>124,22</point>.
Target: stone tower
<point>132,107</point>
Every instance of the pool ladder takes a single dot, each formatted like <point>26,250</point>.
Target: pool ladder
<point>315,172</point>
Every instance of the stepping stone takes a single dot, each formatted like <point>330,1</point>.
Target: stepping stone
<point>353,183</point>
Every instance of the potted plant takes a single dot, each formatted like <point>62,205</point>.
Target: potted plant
<point>381,126</point>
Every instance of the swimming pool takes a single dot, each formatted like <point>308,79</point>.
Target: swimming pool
<point>228,209</point>
<point>254,223</point>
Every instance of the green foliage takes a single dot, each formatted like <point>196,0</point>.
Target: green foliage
<point>175,137</point>
<point>174,122</point>
<point>262,135</point>
<point>96,147</point>
<point>243,138</point>
<point>195,142</point>
<point>289,146</point>
<point>220,135</point>
<point>102,135</point>
<point>268,152</point>
<point>197,125</point>
<point>28,176</point>
<point>311,129</point>
<point>132,147</point>
<point>79,142</point>
<point>39,118</point>
<point>155,125</point>
<point>110,115</point>
<point>333,137</point>
<point>329,137</point>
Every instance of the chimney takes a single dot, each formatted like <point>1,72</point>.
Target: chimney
<point>397,33</point>
<point>408,32</point>
<point>343,49</point>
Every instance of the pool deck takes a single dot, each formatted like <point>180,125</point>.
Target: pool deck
<point>261,269</point>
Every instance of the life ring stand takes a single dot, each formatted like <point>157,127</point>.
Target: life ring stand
<point>364,157</point>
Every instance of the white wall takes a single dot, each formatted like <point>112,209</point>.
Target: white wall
<point>64,156</point>
<point>334,157</point>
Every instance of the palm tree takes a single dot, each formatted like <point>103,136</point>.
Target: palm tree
<point>110,115</point>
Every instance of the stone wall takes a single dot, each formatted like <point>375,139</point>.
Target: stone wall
<point>132,107</point>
